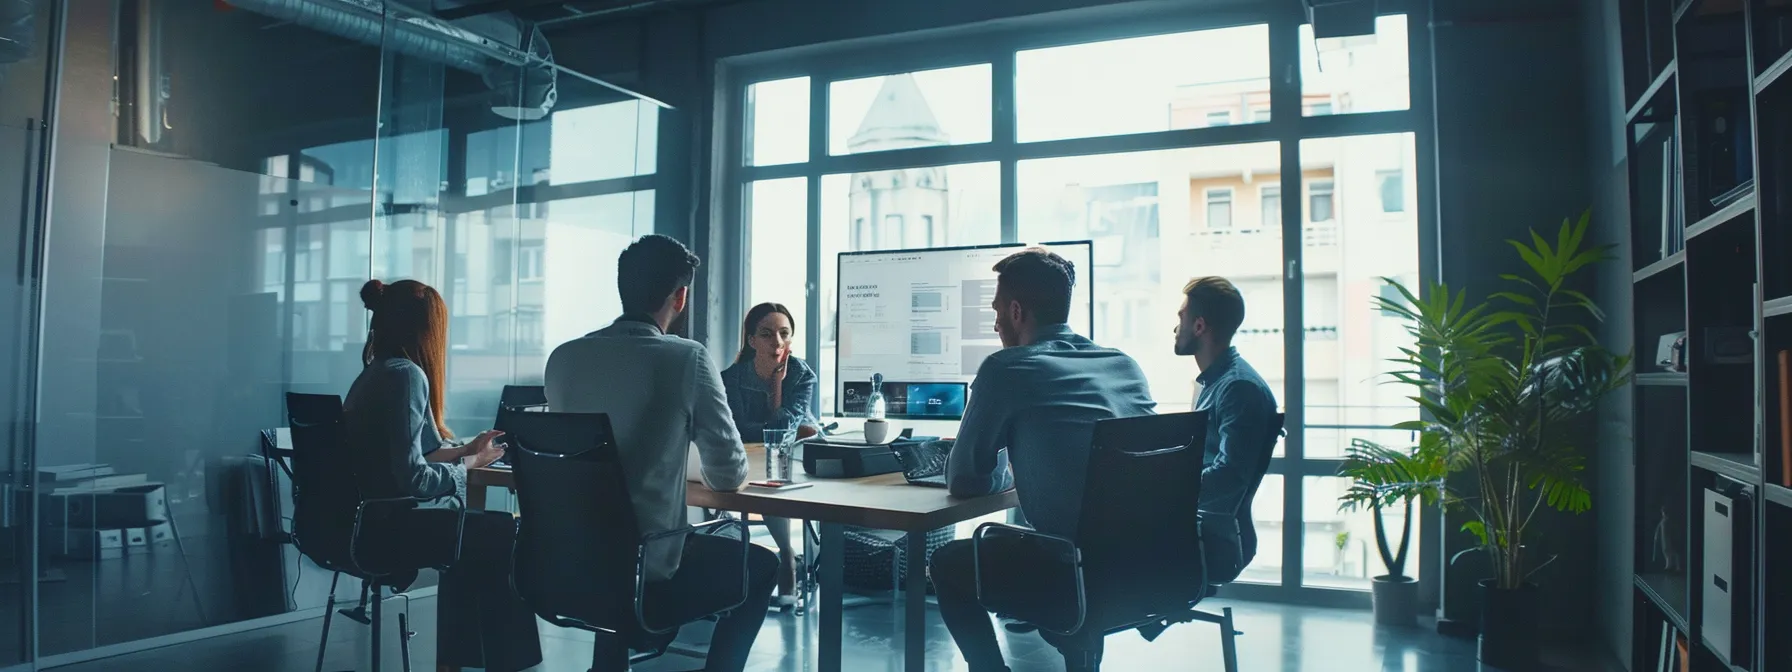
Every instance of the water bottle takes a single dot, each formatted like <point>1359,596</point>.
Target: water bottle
<point>874,406</point>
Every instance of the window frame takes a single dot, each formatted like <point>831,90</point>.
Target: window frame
<point>1211,196</point>
<point>1330,185</point>
<point>1262,198</point>
<point>997,43</point>
<point>1382,177</point>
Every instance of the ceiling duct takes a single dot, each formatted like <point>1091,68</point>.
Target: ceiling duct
<point>17,30</point>
<point>510,54</point>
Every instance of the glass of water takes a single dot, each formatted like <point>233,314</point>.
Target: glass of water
<point>779,443</point>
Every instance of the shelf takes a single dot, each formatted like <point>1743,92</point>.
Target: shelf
<point>1655,87</point>
<point>1779,494</point>
<point>1706,642</point>
<point>1742,206</point>
<point>1652,586</point>
<point>1773,72</point>
<point>1670,262</point>
<point>1662,379</point>
<point>1777,307</point>
<point>1734,465</point>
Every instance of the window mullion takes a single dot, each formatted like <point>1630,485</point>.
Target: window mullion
<point>1002,124</point>
<point>1285,122</point>
<point>818,148</point>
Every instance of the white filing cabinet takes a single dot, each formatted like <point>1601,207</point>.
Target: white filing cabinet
<point>1719,580</point>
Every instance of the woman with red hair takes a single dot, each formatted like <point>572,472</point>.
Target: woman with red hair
<point>393,421</point>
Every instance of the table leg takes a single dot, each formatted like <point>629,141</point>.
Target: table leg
<point>833,570</point>
<point>914,608</point>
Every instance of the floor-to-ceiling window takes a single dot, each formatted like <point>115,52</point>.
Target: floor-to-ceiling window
<point>1242,147</point>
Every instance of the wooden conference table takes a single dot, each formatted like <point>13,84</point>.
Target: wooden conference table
<point>885,502</point>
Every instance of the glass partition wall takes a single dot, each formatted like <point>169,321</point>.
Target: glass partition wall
<point>213,221</point>
<point>1194,145</point>
<point>28,47</point>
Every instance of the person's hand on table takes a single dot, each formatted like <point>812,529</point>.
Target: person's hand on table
<point>806,431</point>
<point>483,450</point>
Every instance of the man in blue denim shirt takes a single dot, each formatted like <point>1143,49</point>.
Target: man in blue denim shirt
<point>1033,406</point>
<point>1241,412</point>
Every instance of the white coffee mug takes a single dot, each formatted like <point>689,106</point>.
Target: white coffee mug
<point>876,431</point>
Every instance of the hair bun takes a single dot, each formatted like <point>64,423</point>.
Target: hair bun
<point>371,293</point>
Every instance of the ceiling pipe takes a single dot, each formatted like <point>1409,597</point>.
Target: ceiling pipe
<point>509,54</point>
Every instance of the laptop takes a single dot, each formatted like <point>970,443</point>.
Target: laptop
<point>527,398</point>
<point>923,463</point>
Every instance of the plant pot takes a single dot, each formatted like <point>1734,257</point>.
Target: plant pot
<point>1509,626</point>
<point>1396,600</point>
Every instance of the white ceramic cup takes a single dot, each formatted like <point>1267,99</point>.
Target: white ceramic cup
<point>876,431</point>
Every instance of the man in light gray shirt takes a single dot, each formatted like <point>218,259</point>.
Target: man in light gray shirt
<point>663,394</point>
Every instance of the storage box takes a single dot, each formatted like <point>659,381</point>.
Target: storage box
<point>1728,579</point>
<point>156,534</point>
<point>130,506</point>
<point>82,543</point>
<point>1719,589</point>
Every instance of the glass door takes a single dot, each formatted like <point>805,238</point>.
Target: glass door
<point>28,43</point>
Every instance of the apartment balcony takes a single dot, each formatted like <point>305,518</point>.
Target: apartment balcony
<point>1257,252</point>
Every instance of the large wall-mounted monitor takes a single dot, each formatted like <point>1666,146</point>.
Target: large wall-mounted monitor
<point>923,319</point>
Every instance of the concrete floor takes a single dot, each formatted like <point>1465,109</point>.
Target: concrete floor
<point>1276,637</point>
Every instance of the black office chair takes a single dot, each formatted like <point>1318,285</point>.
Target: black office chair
<point>523,397</point>
<point>337,528</point>
<point>1127,571</point>
<point>579,555</point>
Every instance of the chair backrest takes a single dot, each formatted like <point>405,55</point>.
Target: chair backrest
<point>577,539</point>
<point>523,396</point>
<point>1247,528</point>
<point>324,492</point>
<point>1138,531</point>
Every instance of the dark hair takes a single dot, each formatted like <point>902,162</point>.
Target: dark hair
<point>410,321</point>
<point>650,270</point>
<point>1040,281</point>
<point>1216,300</point>
<point>751,324</point>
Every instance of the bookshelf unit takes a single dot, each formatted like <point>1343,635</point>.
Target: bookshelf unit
<point>1708,87</point>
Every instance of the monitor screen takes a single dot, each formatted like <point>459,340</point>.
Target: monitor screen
<point>923,319</point>
<point>907,400</point>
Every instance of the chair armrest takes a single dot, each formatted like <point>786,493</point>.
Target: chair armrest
<point>641,566</point>
<point>988,530</point>
<point>405,504</point>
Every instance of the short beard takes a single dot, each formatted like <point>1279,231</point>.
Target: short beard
<point>1189,348</point>
<point>1009,334</point>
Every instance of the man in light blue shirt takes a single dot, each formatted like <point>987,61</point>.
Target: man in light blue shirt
<point>1033,407</point>
<point>1241,422</point>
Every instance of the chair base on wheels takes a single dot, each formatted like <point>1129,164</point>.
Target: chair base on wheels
<point>1150,631</point>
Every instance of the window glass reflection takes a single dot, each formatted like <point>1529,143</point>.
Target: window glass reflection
<point>1360,73</point>
<point>1138,85</point>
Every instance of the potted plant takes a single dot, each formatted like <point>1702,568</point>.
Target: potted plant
<point>1384,477</point>
<point>1505,386</point>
